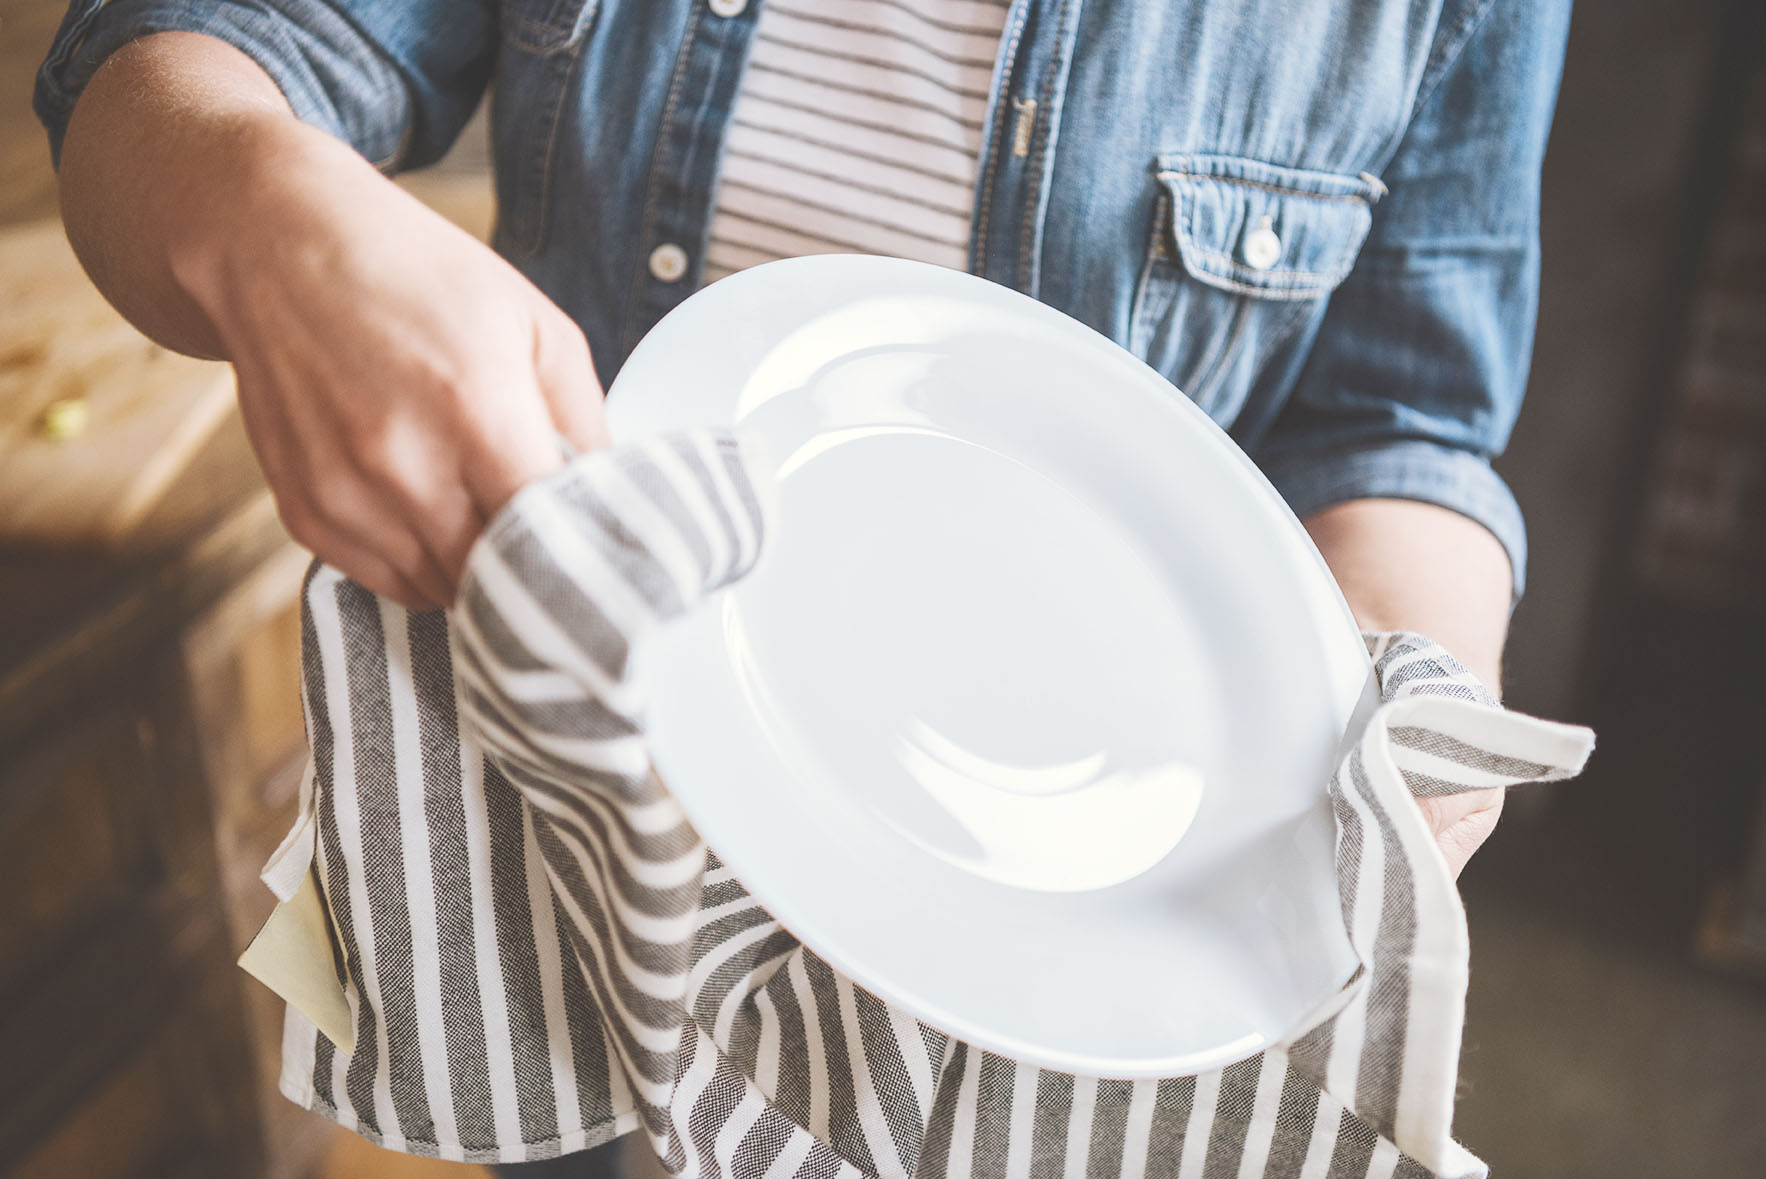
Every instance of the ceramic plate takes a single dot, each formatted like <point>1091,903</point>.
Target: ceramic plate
<point>1025,718</point>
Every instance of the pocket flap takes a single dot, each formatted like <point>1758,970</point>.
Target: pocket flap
<point>1263,230</point>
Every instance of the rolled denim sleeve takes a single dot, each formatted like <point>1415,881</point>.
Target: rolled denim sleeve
<point>395,81</point>
<point>1418,371</point>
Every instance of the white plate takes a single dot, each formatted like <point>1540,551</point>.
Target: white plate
<point>1025,718</point>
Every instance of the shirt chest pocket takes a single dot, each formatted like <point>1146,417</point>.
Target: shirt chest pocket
<point>1241,261</point>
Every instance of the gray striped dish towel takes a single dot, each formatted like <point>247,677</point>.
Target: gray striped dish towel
<point>526,949</point>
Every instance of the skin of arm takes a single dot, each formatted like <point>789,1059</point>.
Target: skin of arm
<point>1405,565</point>
<point>130,214</point>
<point>399,381</point>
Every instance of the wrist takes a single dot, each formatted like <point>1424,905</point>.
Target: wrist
<point>1404,565</point>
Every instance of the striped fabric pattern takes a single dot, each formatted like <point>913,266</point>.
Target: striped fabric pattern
<point>857,129</point>
<point>541,954</point>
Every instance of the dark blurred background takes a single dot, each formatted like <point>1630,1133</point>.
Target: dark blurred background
<point>149,728</point>
<point>1617,1020</point>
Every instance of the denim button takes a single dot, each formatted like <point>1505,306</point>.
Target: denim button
<point>1263,248</point>
<point>728,7</point>
<point>668,262</point>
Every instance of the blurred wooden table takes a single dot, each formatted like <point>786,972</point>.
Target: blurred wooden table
<point>150,728</point>
<point>150,748</point>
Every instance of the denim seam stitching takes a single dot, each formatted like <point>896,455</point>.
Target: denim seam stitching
<point>1205,165</point>
<point>647,226</point>
<point>990,169</point>
<point>1444,58</point>
<point>560,85</point>
<point>1208,372</point>
<point>702,112</point>
<point>1284,325</point>
<point>78,34</point>
<point>1138,330</point>
<point>1029,268</point>
<point>1281,190</point>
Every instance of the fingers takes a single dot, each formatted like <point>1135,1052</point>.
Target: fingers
<point>448,522</point>
<point>567,380</point>
<point>345,528</point>
<point>426,494</point>
<point>495,470</point>
<point>356,561</point>
<point>396,506</point>
<point>330,508</point>
<point>376,518</point>
<point>1462,822</point>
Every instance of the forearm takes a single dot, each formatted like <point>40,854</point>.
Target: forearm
<point>1405,565</point>
<point>165,146</point>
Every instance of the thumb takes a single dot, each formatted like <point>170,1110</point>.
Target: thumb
<point>1462,822</point>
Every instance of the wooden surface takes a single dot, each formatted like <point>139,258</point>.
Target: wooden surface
<point>353,1157</point>
<point>122,1023</point>
<point>147,412</point>
<point>111,538</point>
<point>150,726</point>
<point>121,1028</point>
<point>27,183</point>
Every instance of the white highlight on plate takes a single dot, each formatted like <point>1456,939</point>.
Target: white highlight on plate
<point>1057,828</point>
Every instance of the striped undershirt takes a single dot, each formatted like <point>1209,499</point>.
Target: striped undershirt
<point>857,130</point>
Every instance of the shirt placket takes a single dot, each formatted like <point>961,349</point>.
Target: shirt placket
<point>683,171</point>
<point>1018,143</point>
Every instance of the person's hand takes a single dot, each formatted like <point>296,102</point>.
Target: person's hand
<point>1462,822</point>
<point>398,380</point>
<point>1404,565</point>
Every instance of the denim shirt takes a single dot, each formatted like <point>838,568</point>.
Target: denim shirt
<point>1133,152</point>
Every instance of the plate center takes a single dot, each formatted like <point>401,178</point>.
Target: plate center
<point>1025,697</point>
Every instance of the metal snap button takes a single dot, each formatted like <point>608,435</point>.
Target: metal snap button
<point>727,7</point>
